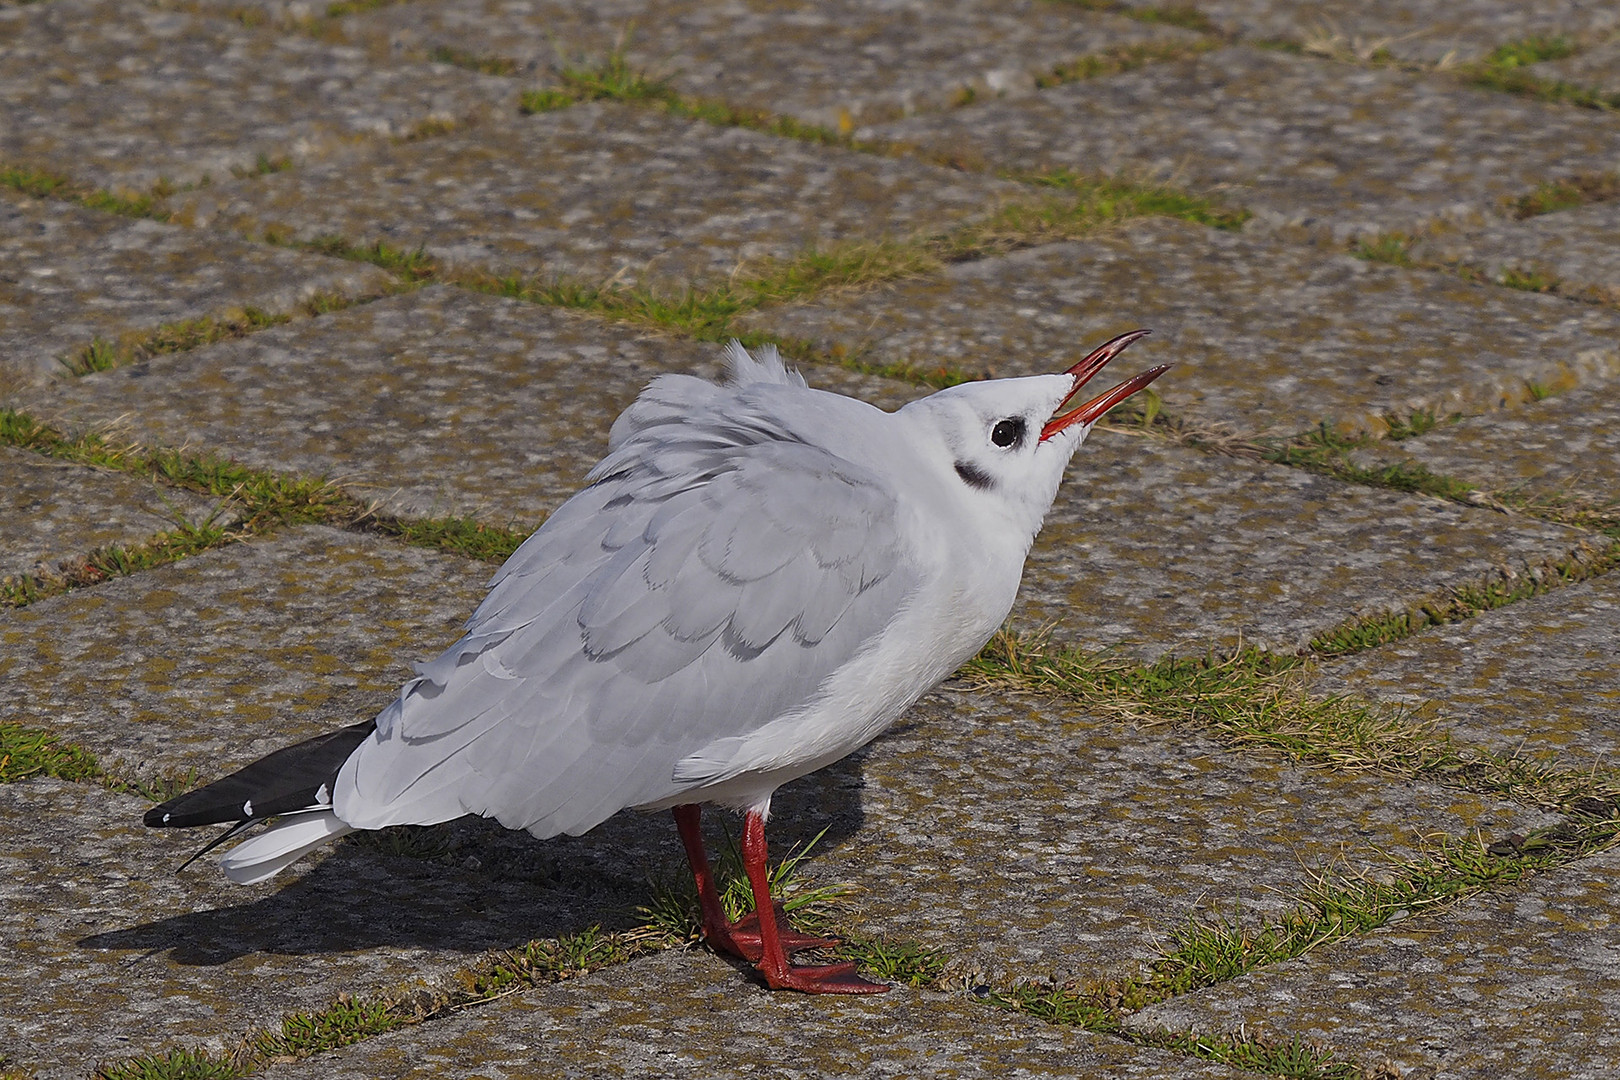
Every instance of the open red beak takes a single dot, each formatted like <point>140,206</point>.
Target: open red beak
<point>1086,370</point>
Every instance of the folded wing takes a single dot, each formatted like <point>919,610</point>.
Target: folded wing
<point>716,572</point>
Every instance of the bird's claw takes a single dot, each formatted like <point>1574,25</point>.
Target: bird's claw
<point>831,979</point>
<point>741,938</point>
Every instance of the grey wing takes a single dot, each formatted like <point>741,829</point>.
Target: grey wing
<point>691,599</point>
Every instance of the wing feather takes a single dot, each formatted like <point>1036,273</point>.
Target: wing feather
<point>648,620</point>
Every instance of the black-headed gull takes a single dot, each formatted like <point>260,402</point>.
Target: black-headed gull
<point>757,580</point>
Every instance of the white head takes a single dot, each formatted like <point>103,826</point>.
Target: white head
<point>1008,443</point>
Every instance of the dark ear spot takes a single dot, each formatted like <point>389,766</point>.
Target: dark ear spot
<point>973,476</point>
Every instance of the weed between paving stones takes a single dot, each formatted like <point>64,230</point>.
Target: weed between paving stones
<point>1328,453</point>
<point>101,355</point>
<point>1209,950</point>
<point>1203,952</point>
<point>1115,61</point>
<point>259,503</point>
<point>670,921</point>
<point>1255,699</point>
<point>1075,206</point>
<point>1185,16</point>
<point>1242,699</point>
<point>1397,249</point>
<point>1504,70</point>
<point>28,752</point>
<point>1567,193</point>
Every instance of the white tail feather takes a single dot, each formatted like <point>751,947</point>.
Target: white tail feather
<point>281,845</point>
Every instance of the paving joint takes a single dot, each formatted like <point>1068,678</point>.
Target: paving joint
<point>256,503</point>
<point>1502,70</point>
<point>1327,452</point>
<point>1258,700</point>
<point>966,235</point>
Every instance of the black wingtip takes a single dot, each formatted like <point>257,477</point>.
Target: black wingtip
<point>297,777</point>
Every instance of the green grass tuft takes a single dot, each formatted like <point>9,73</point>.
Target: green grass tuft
<point>906,963</point>
<point>1528,279</point>
<point>46,185</point>
<point>1082,204</point>
<point>672,910</point>
<point>1466,601</point>
<point>413,265</point>
<point>424,842</point>
<point>1567,193</point>
<point>1185,16</point>
<point>1328,453</point>
<point>463,535</point>
<point>347,1020</point>
<point>35,182</point>
<point>174,1065</point>
<point>102,355</point>
<point>263,165</point>
<point>1392,248</point>
<point>484,65</point>
<point>1118,60</point>
<point>613,79</point>
<point>26,752</point>
<point>1533,50</point>
<point>1506,70</point>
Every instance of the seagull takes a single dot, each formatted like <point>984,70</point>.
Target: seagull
<point>757,580</point>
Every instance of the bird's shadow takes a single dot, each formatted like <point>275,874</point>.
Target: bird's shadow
<point>470,885</point>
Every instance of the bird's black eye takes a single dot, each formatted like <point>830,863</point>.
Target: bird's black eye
<point>1008,432</point>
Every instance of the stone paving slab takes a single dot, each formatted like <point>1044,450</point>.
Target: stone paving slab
<point>111,954</point>
<point>1028,839</point>
<point>832,63</point>
<point>53,510</point>
<point>672,1016</point>
<point>1568,444</point>
<point>1540,677</point>
<point>122,95</point>
<point>1409,29</point>
<point>1266,336</point>
<point>1153,548</point>
<point>474,380</point>
<point>1579,249</point>
<point>1303,142</point>
<point>1522,983</point>
<point>439,401</point>
<point>69,275</point>
<point>602,191</point>
<point>218,659</point>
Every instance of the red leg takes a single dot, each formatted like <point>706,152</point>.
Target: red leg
<point>773,963</point>
<point>741,938</point>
